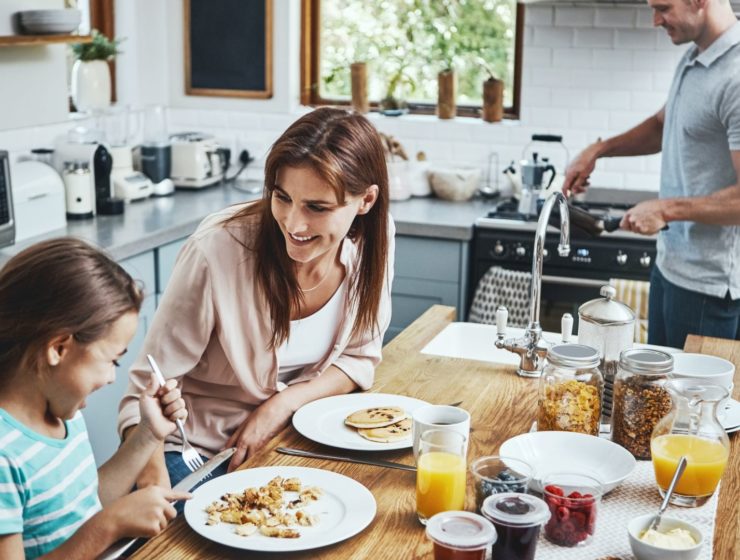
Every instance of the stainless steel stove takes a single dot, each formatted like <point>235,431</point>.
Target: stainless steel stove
<point>505,238</point>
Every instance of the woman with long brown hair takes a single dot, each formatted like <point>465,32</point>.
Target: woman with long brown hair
<point>279,302</point>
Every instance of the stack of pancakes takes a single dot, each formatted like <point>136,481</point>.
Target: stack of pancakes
<point>385,424</point>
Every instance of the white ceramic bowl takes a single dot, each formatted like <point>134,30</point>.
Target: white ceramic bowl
<point>644,551</point>
<point>550,452</point>
<point>705,367</point>
<point>455,183</point>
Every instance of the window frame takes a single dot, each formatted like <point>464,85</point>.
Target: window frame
<point>310,50</point>
<point>102,18</point>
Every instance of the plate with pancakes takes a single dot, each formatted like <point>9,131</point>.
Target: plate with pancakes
<point>359,421</point>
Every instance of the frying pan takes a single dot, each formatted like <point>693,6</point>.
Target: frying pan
<point>583,224</point>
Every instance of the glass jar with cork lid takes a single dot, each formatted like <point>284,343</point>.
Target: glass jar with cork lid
<point>640,399</point>
<point>570,390</point>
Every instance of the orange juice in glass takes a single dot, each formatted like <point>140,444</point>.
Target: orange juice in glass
<point>705,462</point>
<point>440,473</point>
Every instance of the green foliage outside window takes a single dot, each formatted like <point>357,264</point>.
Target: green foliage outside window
<point>406,43</point>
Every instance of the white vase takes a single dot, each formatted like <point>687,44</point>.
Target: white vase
<point>91,85</point>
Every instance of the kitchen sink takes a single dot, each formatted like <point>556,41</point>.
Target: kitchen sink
<point>473,341</point>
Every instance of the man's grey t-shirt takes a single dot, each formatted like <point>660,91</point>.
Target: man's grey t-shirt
<point>702,126</point>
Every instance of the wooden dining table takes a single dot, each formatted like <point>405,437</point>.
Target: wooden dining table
<point>501,405</point>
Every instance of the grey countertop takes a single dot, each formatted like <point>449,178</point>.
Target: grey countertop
<point>156,221</point>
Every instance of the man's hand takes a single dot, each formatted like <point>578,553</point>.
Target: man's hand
<point>580,169</point>
<point>263,423</point>
<point>646,218</point>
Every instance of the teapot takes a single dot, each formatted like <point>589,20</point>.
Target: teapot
<point>609,326</point>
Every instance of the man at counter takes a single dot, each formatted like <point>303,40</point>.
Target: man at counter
<point>695,285</point>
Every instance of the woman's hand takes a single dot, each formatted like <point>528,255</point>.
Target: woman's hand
<point>144,513</point>
<point>261,426</point>
<point>160,407</point>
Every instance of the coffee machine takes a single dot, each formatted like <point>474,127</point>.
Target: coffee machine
<point>99,164</point>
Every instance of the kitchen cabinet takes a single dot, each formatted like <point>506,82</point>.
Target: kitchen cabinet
<point>427,272</point>
<point>101,413</point>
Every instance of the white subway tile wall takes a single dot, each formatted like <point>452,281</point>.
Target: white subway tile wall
<point>589,72</point>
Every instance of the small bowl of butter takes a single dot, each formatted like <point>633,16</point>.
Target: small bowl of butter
<point>674,539</point>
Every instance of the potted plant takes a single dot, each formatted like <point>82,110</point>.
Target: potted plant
<point>493,95</point>
<point>393,104</point>
<point>445,49</point>
<point>91,84</point>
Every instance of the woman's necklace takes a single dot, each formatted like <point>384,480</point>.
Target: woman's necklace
<point>326,274</point>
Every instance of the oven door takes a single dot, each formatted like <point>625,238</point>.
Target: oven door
<point>566,282</point>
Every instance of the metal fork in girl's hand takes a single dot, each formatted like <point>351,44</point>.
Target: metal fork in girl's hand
<point>190,456</point>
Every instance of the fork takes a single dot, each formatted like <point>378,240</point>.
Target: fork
<point>190,456</point>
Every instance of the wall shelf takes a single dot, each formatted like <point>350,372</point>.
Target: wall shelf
<point>36,40</point>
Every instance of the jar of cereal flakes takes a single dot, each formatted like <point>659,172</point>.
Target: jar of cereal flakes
<point>640,399</point>
<point>571,388</point>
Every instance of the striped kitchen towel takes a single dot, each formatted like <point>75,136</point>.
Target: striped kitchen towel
<point>500,286</point>
<point>635,294</point>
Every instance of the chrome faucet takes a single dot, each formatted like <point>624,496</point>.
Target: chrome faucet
<point>531,347</point>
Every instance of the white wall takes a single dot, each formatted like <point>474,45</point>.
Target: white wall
<point>588,72</point>
<point>33,80</point>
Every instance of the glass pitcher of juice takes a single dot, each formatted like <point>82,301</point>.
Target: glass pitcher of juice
<point>440,473</point>
<point>691,429</point>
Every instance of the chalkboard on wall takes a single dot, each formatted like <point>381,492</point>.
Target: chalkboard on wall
<point>228,48</point>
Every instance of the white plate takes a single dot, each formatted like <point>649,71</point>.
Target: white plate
<point>323,420</point>
<point>345,509</point>
<point>731,420</point>
<point>550,452</point>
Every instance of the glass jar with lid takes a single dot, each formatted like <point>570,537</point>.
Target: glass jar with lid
<point>570,392</point>
<point>609,326</point>
<point>640,398</point>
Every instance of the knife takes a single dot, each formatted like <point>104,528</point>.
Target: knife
<point>118,548</point>
<point>374,462</point>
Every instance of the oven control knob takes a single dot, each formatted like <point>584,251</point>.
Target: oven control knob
<point>545,253</point>
<point>520,251</point>
<point>645,260</point>
<point>498,249</point>
<point>621,258</point>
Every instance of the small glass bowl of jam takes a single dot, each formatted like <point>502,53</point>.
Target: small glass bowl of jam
<point>496,475</point>
<point>573,500</point>
<point>517,519</point>
<point>460,535</point>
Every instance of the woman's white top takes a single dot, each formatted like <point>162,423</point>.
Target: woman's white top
<point>311,337</point>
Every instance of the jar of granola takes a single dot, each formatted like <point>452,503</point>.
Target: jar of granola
<point>571,388</point>
<point>640,400</point>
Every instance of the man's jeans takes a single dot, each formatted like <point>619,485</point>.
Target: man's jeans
<point>675,313</point>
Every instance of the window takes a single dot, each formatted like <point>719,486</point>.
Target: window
<point>405,44</point>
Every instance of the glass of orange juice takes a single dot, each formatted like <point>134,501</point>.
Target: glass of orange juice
<point>691,430</point>
<point>440,473</point>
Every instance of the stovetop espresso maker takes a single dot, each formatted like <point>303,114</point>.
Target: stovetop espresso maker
<point>537,174</point>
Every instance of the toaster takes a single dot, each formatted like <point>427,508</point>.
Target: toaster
<point>196,160</point>
<point>38,199</point>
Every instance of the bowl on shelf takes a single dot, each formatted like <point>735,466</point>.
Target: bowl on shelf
<point>645,551</point>
<point>550,452</point>
<point>44,22</point>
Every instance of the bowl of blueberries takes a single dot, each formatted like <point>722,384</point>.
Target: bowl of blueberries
<point>495,474</point>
